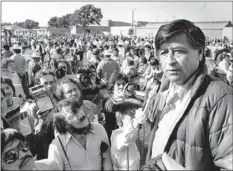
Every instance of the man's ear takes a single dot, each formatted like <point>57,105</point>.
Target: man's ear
<point>200,54</point>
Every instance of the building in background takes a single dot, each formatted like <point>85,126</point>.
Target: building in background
<point>214,29</point>
<point>106,26</point>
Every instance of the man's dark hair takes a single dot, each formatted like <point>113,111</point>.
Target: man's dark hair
<point>116,76</point>
<point>9,135</point>
<point>17,50</point>
<point>8,81</point>
<point>6,47</point>
<point>74,104</point>
<point>195,36</point>
<point>130,104</point>
<point>42,73</point>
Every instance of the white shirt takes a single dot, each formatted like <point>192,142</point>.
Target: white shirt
<point>79,157</point>
<point>122,139</point>
<point>167,122</point>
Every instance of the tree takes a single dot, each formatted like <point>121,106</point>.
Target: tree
<point>65,20</point>
<point>59,22</point>
<point>54,22</point>
<point>86,15</point>
<point>21,24</point>
<point>6,24</point>
<point>30,24</point>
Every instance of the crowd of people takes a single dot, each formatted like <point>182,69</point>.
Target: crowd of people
<point>118,103</point>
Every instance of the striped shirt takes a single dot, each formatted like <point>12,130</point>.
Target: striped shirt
<point>13,113</point>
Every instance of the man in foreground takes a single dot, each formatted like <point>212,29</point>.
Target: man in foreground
<point>194,109</point>
<point>79,144</point>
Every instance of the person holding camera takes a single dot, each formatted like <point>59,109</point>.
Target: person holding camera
<point>42,122</point>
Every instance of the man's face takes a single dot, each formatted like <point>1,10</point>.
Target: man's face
<point>3,105</point>
<point>48,82</point>
<point>77,119</point>
<point>11,66</point>
<point>71,91</point>
<point>17,156</point>
<point>8,90</point>
<point>178,59</point>
<point>119,87</point>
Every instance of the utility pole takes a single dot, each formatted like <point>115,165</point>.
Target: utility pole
<point>133,18</point>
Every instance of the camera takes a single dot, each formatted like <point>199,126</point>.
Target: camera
<point>84,77</point>
<point>132,90</point>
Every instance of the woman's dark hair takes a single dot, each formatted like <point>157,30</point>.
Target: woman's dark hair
<point>65,80</point>
<point>8,81</point>
<point>42,73</point>
<point>9,135</point>
<point>195,36</point>
<point>116,76</point>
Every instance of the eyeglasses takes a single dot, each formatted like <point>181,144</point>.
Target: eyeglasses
<point>12,155</point>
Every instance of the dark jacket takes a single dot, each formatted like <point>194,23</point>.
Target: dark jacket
<point>202,137</point>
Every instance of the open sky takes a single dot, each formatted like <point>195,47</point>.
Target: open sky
<point>120,11</point>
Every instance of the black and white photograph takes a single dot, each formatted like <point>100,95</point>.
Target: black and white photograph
<point>116,85</point>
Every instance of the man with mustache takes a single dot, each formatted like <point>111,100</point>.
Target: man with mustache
<point>79,144</point>
<point>15,153</point>
<point>192,112</point>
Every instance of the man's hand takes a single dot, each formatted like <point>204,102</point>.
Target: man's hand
<point>42,115</point>
<point>140,117</point>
